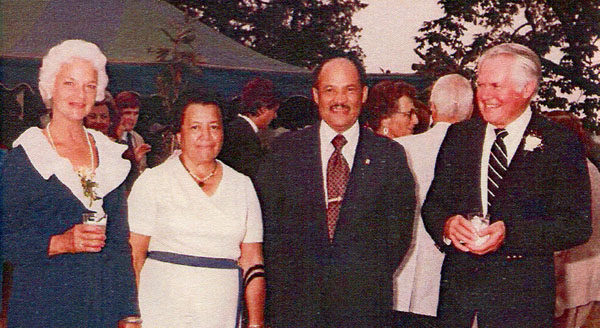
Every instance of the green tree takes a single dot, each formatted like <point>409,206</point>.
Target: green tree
<point>298,32</point>
<point>563,29</point>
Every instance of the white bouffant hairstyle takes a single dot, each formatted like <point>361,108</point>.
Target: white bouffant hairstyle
<point>64,53</point>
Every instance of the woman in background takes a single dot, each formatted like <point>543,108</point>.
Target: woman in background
<point>66,273</point>
<point>195,225</point>
<point>99,118</point>
<point>578,269</point>
<point>390,109</point>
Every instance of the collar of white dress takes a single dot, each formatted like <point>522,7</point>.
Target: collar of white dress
<point>111,171</point>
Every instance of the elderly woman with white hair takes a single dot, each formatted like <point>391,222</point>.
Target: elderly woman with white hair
<point>64,224</point>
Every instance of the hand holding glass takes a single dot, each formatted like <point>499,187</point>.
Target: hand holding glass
<point>479,222</point>
<point>92,218</point>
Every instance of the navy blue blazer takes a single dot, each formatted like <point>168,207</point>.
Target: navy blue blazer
<point>67,290</point>
<point>544,202</point>
<point>241,147</point>
<point>312,282</point>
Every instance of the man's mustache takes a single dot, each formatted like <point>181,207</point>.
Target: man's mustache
<point>344,106</point>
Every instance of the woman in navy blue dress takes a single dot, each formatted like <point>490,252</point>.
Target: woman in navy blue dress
<point>66,273</point>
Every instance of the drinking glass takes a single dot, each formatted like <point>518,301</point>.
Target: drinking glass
<point>479,221</point>
<point>94,219</point>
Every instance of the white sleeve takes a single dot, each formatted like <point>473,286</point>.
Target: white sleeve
<point>141,204</point>
<point>254,226</point>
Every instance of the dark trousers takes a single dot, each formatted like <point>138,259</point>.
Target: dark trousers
<point>413,320</point>
<point>494,310</point>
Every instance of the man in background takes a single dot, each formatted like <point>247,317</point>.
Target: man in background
<point>417,282</point>
<point>241,147</point>
<point>127,106</point>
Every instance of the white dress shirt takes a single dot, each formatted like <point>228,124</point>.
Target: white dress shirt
<point>515,130</point>
<point>251,122</point>
<point>326,134</point>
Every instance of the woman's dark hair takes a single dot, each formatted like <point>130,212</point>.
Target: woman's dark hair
<point>202,97</point>
<point>382,100</point>
<point>424,116</point>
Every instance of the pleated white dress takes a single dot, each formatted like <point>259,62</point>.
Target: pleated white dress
<point>167,205</point>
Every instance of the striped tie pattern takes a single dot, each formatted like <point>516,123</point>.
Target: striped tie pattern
<point>337,177</point>
<point>497,165</point>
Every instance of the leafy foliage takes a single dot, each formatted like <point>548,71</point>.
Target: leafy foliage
<point>159,121</point>
<point>563,29</point>
<point>299,32</point>
<point>177,57</point>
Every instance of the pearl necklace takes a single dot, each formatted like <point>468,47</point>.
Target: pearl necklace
<point>87,138</point>
<point>200,181</point>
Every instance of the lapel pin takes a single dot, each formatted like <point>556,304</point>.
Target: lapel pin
<point>367,161</point>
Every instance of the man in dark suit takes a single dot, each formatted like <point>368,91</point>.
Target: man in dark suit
<point>241,146</point>
<point>337,204</point>
<point>530,176</point>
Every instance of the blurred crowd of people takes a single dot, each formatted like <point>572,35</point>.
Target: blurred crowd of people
<point>351,209</point>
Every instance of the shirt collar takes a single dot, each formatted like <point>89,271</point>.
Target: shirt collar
<point>327,133</point>
<point>252,124</point>
<point>111,171</point>
<point>518,126</point>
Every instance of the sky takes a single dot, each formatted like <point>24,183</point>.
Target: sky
<point>389,28</point>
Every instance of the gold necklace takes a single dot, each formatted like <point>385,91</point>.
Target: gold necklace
<point>200,181</point>
<point>86,175</point>
<point>87,138</point>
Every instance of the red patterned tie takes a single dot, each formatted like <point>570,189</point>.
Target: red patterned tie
<point>337,177</point>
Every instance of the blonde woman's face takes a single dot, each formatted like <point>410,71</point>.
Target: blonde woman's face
<point>74,90</point>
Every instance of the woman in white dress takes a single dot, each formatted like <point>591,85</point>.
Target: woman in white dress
<point>195,228</point>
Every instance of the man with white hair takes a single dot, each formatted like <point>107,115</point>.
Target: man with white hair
<point>417,281</point>
<point>528,176</point>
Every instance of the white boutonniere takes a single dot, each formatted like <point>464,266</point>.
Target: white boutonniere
<point>533,142</point>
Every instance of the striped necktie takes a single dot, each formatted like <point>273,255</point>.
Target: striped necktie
<point>497,165</point>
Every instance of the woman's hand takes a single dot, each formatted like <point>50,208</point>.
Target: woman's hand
<point>79,239</point>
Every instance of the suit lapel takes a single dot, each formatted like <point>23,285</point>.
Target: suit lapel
<point>310,162</point>
<point>360,175</point>
<point>473,162</point>
<point>524,162</point>
<point>533,128</point>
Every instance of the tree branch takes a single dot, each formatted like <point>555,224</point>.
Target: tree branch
<point>580,82</point>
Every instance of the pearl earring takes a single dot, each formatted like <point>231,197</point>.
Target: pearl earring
<point>386,131</point>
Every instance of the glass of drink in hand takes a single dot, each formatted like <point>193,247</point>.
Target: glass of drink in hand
<point>94,219</point>
<point>479,222</point>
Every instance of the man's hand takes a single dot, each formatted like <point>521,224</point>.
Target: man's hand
<point>460,231</point>
<point>496,232</point>
<point>140,151</point>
